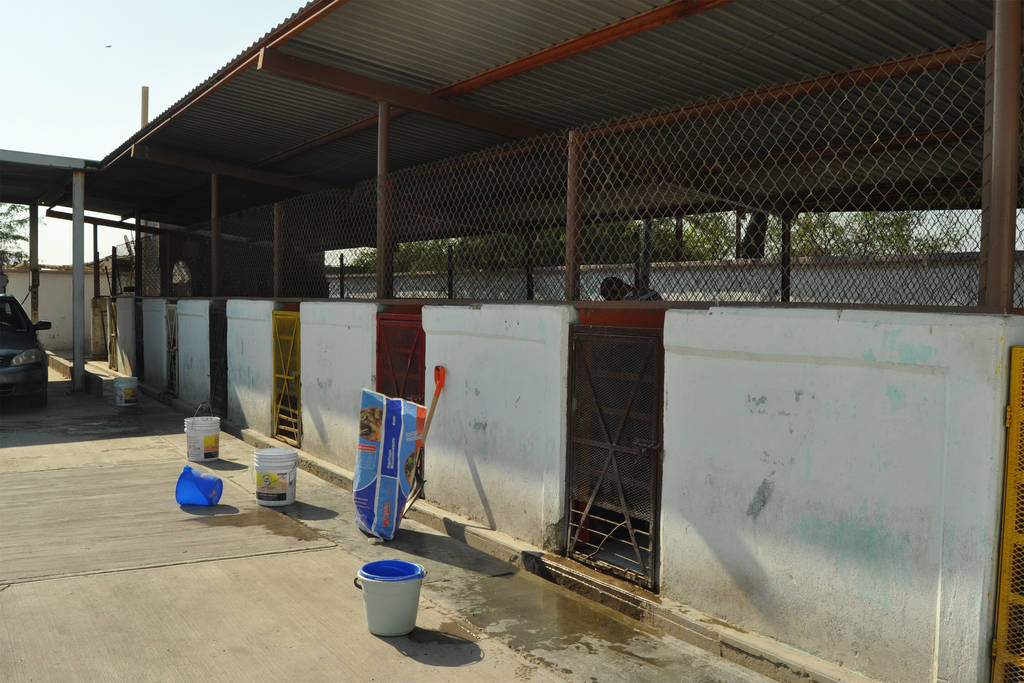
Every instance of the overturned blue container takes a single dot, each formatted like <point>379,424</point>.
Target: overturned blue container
<point>197,488</point>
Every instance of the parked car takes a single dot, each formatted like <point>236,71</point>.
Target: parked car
<point>23,363</point>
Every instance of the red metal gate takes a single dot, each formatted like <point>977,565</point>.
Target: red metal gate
<point>400,358</point>
<point>614,473</point>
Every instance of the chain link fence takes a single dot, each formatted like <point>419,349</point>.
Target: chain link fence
<point>864,187</point>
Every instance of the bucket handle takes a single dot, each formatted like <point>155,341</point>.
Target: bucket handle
<point>355,581</point>
<point>199,407</point>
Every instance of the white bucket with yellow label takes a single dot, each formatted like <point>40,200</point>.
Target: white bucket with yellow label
<point>275,471</point>
<point>202,438</point>
<point>126,391</point>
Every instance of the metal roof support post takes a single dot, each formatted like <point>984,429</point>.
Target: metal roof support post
<point>572,219</point>
<point>78,278</point>
<point>33,259</point>
<point>214,235</point>
<point>278,220</point>
<point>138,256</point>
<point>786,261</point>
<point>1005,140</point>
<point>95,262</point>
<point>385,241</point>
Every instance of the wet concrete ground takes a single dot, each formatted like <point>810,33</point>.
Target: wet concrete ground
<point>98,563</point>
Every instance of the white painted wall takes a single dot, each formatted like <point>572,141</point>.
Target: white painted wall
<point>496,448</point>
<point>55,301</point>
<point>338,359</point>
<point>125,334</point>
<point>194,351</point>
<point>154,342</point>
<point>833,480</point>
<point>250,363</point>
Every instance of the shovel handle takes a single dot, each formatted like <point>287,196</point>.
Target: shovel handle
<point>439,375</point>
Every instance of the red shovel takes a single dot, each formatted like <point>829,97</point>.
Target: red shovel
<point>417,483</point>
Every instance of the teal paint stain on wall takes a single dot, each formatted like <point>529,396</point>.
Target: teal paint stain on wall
<point>915,354</point>
<point>869,356</point>
<point>860,540</point>
<point>897,397</point>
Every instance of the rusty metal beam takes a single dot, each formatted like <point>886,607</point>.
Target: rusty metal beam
<point>106,222</point>
<point>171,157</point>
<point>324,76</point>
<point>215,250</point>
<point>572,218</point>
<point>385,241</point>
<point>605,35</point>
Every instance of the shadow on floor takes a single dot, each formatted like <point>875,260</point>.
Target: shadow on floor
<point>437,648</point>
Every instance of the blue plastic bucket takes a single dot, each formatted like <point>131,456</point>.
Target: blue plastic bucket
<point>197,488</point>
<point>391,595</point>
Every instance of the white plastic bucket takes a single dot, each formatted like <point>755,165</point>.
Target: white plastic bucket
<point>126,391</point>
<point>202,438</point>
<point>391,595</point>
<point>275,471</point>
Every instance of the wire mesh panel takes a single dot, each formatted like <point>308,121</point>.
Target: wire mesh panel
<point>614,473</point>
<point>1008,647</point>
<point>287,409</point>
<point>862,187</point>
<point>172,349</point>
<point>480,226</point>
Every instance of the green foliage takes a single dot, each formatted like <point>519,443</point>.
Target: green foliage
<point>13,226</point>
<point>703,237</point>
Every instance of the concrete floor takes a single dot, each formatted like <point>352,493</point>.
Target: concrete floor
<point>104,577</point>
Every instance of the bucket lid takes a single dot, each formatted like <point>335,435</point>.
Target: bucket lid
<point>391,570</point>
<point>272,452</point>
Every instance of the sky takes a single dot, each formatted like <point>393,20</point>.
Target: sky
<point>71,75</point>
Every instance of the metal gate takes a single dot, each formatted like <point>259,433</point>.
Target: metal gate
<point>614,459</point>
<point>287,381</point>
<point>218,359</point>
<point>400,356</point>
<point>112,351</point>
<point>1008,646</point>
<point>171,317</point>
<point>140,354</point>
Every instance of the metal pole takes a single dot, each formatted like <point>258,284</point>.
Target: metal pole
<point>115,277</point>
<point>1005,139</point>
<point>739,234</point>
<point>986,171</point>
<point>341,276</point>
<point>78,278</point>
<point>643,274</point>
<point>33,259</point>
<point>531,240</point>
<point>145,106</point>
<point>214,235</point>
<point>385,254</point>
<point>572,219</point>
<point>95,261</point>
<point>787,236</point>
<point>278,220</point>
<point>451,274</point>
<point>137,248</point>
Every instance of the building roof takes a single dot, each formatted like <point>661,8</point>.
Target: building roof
<point>545,65</point>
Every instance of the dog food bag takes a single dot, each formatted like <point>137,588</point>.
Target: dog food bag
<point>385,462</point>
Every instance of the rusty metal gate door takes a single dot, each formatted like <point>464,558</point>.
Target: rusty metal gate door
<point>1008,646</point>
<point>112,350</point>
<point>400,356</point>
<point>614,468</point>
<point>287,409</point>
<point>172,350</point>
<point>218,359</point>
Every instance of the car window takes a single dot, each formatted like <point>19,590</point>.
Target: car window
<point>12,317</point>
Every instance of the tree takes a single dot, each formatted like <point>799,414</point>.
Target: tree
<point>13,224</point>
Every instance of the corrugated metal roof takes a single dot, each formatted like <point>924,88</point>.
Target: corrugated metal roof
<point>425,45</point>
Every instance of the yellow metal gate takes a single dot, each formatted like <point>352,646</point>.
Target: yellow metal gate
<point>1008,647</point>
<point>287,415</point>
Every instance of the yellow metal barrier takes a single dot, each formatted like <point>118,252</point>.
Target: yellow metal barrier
<point>1008,646</point>
<point>287,410</point>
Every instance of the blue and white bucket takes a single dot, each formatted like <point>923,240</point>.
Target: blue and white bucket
<point>391,595</point>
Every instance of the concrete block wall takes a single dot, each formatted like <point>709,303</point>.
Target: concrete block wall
<point>154,347</point>
<point>251,363</point>
<point>496,449</point>
<point>194,351</point>
<point>338,357</point>
<point>833,480</point>
<point>125,322</point>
